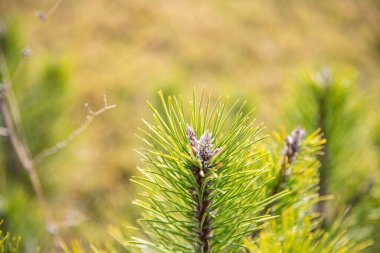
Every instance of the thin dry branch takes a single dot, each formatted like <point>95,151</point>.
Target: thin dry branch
<point>60,145</point>
<point>3,131</point>
<point>21,152</point>
<point>10,115</point>
<point>26,161</point>
<point>29,164</point>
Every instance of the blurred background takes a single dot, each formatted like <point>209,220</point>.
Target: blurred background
<point>270,53</point>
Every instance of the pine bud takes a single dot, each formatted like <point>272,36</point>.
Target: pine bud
<point>190,134</point>
<point>202,148</point>
<point>205,147</point>
<point>292,143</point>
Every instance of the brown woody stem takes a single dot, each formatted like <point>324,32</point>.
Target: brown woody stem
<point>202,215</point>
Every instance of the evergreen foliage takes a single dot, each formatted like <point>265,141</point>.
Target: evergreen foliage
<point>296,232</point>
<point>295,167</point>
<point>210,185</point>
<point>201,195</point>
<point>8,243</point>
<point>330,99</point>
<point>298,227</point>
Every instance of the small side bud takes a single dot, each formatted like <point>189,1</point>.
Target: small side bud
<point>292,143</point>
<point>298,135</point>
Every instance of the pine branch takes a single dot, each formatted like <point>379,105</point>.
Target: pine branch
<point>202,216</point>
<point>329,99</point>
<point>292,145</point>
<point>199,198</point>
<point>295,233</point>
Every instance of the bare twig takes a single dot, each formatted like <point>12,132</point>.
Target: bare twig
<point>53,8</point>
<point>10,115</point>
<point>3,131</point>
<point>26,161</point>
<point>18,146</point>
<point>60,145</point>
<point>29,164</point>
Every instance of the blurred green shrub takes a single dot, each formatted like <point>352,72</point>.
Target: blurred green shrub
<point>330,99</point>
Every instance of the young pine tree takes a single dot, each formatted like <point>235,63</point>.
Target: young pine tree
<point>210,185</point>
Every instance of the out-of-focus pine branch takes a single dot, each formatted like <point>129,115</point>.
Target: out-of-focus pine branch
<point>330,99</point>
<point>298,227</point>
<point>291,148</point>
